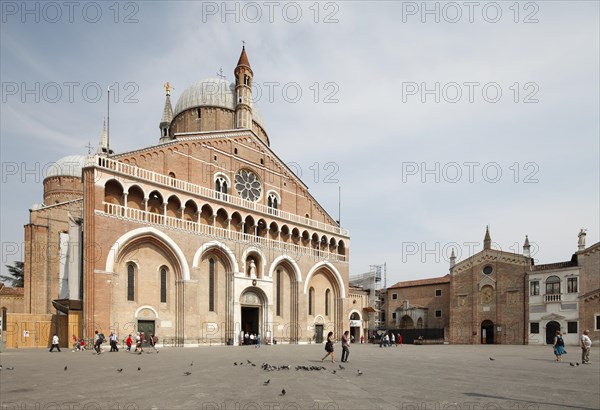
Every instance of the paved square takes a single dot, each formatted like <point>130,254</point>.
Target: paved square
<point>410,377</point>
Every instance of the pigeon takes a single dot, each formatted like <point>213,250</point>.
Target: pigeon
<point>283,392</point>
<point>235,363</point>
<point>187,373</point>
<point>342,367</point>
<point>577,364</point>
<point>10,368</point>
<point>359,373</point>
<point>119,370</point>
<point>65,368</point>
<point>139,368</point>
<point>571,364</point>
<point>253,365</point>
<point>491,358</point>
<point>191,364</point>
<point>249,362</point>
<point>267,382</point>
<point>333,372</point>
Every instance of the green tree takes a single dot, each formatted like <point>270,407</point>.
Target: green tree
<point>16,279</point>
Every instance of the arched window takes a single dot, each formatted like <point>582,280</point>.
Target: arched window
<point>3,319</point>
<point>273,202</point>
<point>211,285</point>
<point>327,292</point>
<point>221,185</point>
<point>278,292</point>
<point>130,282</point>
<point>163,285</point>
<point>553,285</point>
<point>311,297</point>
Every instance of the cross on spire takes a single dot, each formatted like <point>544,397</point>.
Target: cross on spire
<point>89,147</point>
<point>243,43</point>
<point>220,74</point>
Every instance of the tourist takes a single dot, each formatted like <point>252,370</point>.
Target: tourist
<point>329,347</point>
<point>586,345</point>
<point>153,340</point>
<point>112,339</point>
<point>362,339</point>
<point>345,347</point>
<point>76,344</point>
<point>386,340</point>
<point>98,340</point>
<point>129,342</point>
<point>559,346</point>
<point>54,343</point>
<point>258,340</point>
<point>392,339</point>
<point>251,338</point>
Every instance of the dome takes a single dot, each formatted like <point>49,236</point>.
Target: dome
<point>214,92</point>
<point>70,166</point>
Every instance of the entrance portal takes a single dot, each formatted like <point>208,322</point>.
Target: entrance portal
<point>487,332</point>
<point>250,317</point>
<point>146,326</point>
<point>318,333</point>
<point>551,329</point>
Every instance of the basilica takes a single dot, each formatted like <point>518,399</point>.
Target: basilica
<point>200,237</point>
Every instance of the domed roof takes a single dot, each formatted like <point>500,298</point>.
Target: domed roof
<point>70,166</point>
<point>214,92</point>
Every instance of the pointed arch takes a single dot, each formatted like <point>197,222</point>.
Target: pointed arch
<point>223,250</point>
<point>288,260</point>
<point>120,244</point>
<point>333,270</point>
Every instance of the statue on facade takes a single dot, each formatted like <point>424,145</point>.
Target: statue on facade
<point>252,269</point>
<point>581,242</point>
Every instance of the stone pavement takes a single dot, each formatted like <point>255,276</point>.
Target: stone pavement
<point>434,377</point>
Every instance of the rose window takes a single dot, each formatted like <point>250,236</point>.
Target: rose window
<point>248,185</point>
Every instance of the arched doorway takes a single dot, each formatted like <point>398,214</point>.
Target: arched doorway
<point>406,322</point>
<point>487,332</point>
<point>551,329</point>
<point>253,308</point>
<point>355,326</point>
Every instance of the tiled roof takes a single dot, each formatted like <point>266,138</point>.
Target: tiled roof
<point>243,58</point>
<point>551,266</point>
<point>6,291</point>
<point>422,282</point>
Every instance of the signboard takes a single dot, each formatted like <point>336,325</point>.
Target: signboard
<point>356,323</point>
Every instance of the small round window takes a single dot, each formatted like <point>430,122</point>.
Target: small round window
<point>488,270</point>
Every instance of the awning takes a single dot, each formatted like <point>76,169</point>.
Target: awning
<point>369,309</point>
<point>64,305</point>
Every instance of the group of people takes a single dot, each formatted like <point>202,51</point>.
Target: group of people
<point>390,340</point>
<point>584,342</point>
<point>346,340</point>
<point>250,339</point>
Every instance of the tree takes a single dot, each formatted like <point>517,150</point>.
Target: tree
<point>17,274</point>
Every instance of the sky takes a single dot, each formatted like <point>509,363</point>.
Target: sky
<point>436,119</point>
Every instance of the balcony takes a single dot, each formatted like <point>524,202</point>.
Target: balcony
<point>207,193</point>
<point>151,218</point>
<point>552,297</point>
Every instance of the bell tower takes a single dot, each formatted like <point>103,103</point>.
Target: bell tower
<point>243,92</point>
<point>167,117</point>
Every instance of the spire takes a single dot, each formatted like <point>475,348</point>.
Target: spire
<point>103,144</point>
<point>487,240</point>
<point>167,115</point>
<point>452,259</point>
<point>243,58</point>
<point>527,247</point>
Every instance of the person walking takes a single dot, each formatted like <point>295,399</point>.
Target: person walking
<point>258,340</point>
<point>586,345</point>
<point>98,340</point>
<point>362,339</point>
<point>559,346</point>
<point>329,347</point>
<point>392,339</point>
<point>129,342</point>
<point>345,347</point>
<point>153,340</point>
<point>54,343</point>
<point>112,339</point>
<point>399,340</point>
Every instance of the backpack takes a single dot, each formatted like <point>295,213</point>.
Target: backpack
<point>101,337</point>
<point>560,341</point>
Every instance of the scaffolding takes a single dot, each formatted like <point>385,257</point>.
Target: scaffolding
<point>376,282</point>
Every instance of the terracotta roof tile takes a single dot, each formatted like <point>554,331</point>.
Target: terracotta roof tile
<point>243,58</point>
<point>421,282</point>
<point>6,291</point>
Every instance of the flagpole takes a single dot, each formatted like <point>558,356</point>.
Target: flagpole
<point>108,123</point>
